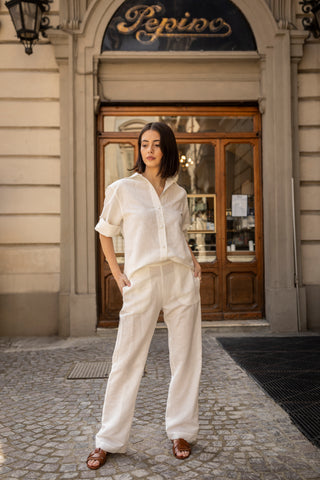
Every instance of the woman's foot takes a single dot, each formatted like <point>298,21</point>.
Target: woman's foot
<point>181,449</point>
<point>96,459</point>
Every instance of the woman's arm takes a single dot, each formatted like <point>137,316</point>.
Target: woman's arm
<point>196,264</point>
<point>109,253</point>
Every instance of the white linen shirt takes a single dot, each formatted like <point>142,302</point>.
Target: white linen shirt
<point>153,227</point>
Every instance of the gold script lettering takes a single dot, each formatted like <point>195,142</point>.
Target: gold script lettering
<point>218,24</point>
<point>137,15</point>
<point>141,21</point>
<point>198,25</point>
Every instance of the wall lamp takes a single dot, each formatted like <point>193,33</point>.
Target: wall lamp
<point>311,22</point>
<point>29,19</point>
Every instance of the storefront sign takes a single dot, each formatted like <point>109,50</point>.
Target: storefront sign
<point>147,23</point>
<point>178,25</point>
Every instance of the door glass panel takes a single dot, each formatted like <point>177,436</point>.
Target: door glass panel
<point>197,177</point>
<point>240,210</point>
<point>181,123</point>
<point>118,159</point>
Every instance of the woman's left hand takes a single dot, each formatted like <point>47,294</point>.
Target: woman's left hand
<point>197,270</point>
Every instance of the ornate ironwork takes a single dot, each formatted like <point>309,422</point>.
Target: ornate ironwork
<point>29,18</point>
<point>312,21</point>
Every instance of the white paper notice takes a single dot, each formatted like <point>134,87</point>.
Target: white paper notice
<point>239,205</point>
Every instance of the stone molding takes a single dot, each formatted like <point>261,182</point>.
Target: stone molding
<point>72,13</point>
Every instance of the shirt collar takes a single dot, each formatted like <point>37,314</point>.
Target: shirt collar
<point>169,180</point>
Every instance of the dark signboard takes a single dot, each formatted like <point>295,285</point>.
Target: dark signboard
<point>190,25</point>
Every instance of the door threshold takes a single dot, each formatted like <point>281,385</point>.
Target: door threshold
<point>233,326</point>
<point>219,326</point>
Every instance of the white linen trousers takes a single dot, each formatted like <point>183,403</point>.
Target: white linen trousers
<point>172,287</point>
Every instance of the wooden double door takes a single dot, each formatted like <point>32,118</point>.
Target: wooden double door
<point>220,168</point>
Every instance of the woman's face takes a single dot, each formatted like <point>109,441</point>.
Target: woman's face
<point>150,150</point>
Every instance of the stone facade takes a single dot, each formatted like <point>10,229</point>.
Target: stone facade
<point>47,136</point>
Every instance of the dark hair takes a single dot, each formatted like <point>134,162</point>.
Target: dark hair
<point>169,166</point>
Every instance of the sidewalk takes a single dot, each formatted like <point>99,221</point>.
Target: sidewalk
<point>48,422</point>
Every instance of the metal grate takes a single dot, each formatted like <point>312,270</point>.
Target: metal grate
<point>288,369</point>
<point>87,370</point>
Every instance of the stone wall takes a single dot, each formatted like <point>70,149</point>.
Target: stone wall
<point>309,146</point>
<point>30,184</point>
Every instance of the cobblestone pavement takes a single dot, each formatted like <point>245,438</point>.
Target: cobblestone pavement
<point>49,422</point>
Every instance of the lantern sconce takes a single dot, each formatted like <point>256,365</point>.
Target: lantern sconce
<point>311,22</point>
<point>29,19</point>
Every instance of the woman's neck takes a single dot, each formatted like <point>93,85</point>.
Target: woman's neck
<point>155,179</point>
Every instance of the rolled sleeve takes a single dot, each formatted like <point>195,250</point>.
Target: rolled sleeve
<point>110,220</point>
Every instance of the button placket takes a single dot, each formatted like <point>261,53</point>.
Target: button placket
<point>161,223</point>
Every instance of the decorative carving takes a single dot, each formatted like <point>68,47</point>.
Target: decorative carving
<point>282,12</point>
<point>311,22</point>
<point>72,12</point>
<point>262,104</point>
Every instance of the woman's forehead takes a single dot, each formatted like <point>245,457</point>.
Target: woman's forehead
<point>150,135</point>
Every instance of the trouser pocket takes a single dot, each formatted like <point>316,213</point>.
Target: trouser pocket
<point>137,297</point>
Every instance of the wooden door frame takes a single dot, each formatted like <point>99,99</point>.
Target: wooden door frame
<point>218,140</point>
<point>258,260</point>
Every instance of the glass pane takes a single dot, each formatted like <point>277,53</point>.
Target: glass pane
<point>197,177</point>
<point>203,246</point>
<point>127,124</point>
<point>240,202</point>
<point>181,124</point>
<point>197,167</point>
<point>202,212</point>
<point>29,13</point>
<point>119,158</point>
<point>223,124</point>
<point>16,17</point>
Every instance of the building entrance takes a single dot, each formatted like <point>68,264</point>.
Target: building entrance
<point>220,168</point>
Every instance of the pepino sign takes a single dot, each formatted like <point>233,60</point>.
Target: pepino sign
<point>178,25</point>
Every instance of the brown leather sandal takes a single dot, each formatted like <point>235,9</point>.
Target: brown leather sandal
<point>97,455</point>
<point>181,445</point>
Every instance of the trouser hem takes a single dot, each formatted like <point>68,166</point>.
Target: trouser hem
<point>187,437</point>
<point>109,449</point>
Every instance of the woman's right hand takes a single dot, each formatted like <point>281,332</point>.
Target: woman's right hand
<point>122,281</point>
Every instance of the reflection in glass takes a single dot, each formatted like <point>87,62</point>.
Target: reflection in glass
<point>203,246</point>
<point>119,158</point>
<point>181,123</point>
<point>197,177</point>
<point>201,236</point>
<point>240,202</point>
<point>202,212</point>
<point>197,167</point>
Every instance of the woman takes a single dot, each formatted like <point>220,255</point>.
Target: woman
<point>160,272</point>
